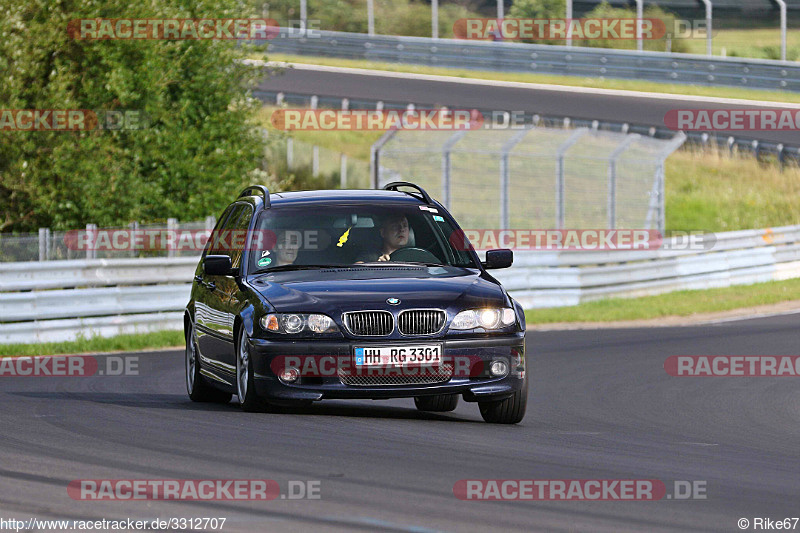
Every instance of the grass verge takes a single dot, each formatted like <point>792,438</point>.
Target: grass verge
<point>120,343</point>
<point>552,79</point>
<point>680,303</point>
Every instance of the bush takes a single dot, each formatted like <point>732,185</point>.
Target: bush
<point>201,143</point>
<point>604,10</point>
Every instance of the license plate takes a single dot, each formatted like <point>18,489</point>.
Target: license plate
<point>398,355</point>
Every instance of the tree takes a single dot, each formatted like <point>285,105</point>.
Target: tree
<point>200,143</point>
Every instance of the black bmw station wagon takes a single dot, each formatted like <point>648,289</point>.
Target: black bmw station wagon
<point>362,294</point>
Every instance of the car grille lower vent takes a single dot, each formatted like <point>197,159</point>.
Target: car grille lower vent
<point>420,321</point>
<point>367,378</point>
<point>369,323</point>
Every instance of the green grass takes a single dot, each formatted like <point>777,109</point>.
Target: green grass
<point>680,303</point>
<point>763,43</point>
<point>128,342</point>
<point>573,81</point>
<point>714,191</point>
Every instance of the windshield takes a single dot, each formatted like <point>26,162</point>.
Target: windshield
<point>339,235</point>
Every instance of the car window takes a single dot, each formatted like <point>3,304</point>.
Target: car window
<point>358,233</point>
<point>238,229</point>
<point>221,237</point>
<point>212,239</point>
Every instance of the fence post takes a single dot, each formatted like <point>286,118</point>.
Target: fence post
<point>560,151</point>
<point>134,226</point>
<point>172,227</point>
<point>374,158</point>
<point>505,215</point>
<point>446,147</point>
<point>612,178</point>
<point>91,252</point>
<point>343,171</point>
<point>43,244</point>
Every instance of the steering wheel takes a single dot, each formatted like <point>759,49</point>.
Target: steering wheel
<point>415,255</point>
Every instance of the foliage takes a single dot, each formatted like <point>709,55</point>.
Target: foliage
<point>200,143</point>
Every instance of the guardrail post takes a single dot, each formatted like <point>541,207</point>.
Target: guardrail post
<point>639,16</point>
<point>560,151</point>
<point>289,153</point>
<point>343,171</point>
<point>500,7</point>
<point>505,215</point>
<point>172,228</point>
<point>782,6</point>
<point>315,160</point>
<point>446,147</point>
<point>374,157</point>
<point>612,178</point>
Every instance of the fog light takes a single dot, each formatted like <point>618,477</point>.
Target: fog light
<point>499,368</point>
<point>290,375</point>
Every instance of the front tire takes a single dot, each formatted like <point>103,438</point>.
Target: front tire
<point>508,411</point>
<point>441,403</point>
<point>197,387</point>
<point>245,384</point>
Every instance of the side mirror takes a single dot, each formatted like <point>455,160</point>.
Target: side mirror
<point>501,258</point>
<point>217,265</point>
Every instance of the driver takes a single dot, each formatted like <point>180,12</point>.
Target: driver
<point>394,232</point>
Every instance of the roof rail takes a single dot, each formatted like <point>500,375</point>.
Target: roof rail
<point>394,186</point>
<point>264,193</point>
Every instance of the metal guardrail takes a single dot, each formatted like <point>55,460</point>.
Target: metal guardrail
<point>550,279</point>
<point>59,300</point>
<point>547,59</point>
<point>53,301</point>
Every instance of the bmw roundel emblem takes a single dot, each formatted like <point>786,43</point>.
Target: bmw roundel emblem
<point>393,301</point>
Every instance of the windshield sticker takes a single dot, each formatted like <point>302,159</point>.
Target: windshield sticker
<point>426,208</point>
<point>265,253</point>
<point>343,238</point>
<point>264,261</point>
<point>437,218</point>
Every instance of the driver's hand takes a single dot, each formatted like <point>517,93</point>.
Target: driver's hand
<point>384,257</point>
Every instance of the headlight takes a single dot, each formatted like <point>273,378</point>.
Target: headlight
<point>294,323</point>
<point>489,318</point>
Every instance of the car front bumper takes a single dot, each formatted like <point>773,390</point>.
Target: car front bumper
<point>475,384</point>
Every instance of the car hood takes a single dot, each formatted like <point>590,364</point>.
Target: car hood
<point>334,292</point>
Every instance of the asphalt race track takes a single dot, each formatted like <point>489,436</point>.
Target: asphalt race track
<point>427,94</point>
<point>601,407</point>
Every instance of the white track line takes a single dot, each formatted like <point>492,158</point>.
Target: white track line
<point>526,85</point>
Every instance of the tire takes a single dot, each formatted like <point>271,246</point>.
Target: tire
<point>508,411</point>
<point>441,403</point>
<point>197,387</point>
<point>245,384</point>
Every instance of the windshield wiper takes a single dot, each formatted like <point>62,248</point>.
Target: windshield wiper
<point>287,268</point>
